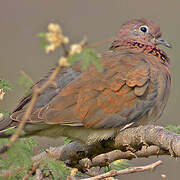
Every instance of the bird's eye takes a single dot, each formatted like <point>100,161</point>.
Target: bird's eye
<point>144,29</point>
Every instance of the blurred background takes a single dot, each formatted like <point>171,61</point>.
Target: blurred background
<point>21,21</point>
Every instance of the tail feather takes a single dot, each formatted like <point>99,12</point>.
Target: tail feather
<point>5,125</point>
<point>30,129</point>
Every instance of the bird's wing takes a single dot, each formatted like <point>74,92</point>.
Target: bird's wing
<point>123,93</point>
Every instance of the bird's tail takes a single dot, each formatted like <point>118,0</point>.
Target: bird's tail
<point>5,126</point>
<point>30,129</point>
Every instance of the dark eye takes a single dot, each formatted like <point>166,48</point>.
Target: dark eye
<point>144,29</point>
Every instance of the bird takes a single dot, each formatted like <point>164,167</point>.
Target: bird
<point>91,106</point>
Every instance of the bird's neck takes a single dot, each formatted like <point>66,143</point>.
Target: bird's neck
<point>140,47</point>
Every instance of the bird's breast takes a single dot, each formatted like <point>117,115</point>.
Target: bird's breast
<point>161,76</point>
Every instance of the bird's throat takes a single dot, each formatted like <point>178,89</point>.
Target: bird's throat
<point>140,47</point>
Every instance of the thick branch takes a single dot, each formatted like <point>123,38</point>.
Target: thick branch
<point>143,141</point>
<point>149,135</point>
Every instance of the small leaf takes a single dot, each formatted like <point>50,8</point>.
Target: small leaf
<point>5,85</point>
<point>119,164</point>
<point>87,56</point>
<point>26,82</point>
<point>85,63</point>
<point>57,168</point>
<point>44,43</point>
<point>19,155</point>
<point>74,58</point>
<point>175,129</point>
<point>41,35</point>
<point>67,141</point>
<point>97,63</point>
<point>5,113</point>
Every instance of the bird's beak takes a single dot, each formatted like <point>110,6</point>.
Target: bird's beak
<point>164,43</point>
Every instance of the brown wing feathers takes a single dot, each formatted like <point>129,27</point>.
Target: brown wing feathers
<point>94,99</point>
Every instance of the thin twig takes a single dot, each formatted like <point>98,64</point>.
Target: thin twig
<point>39,175</point>
<point>66,51</point>
<point>36,92</point>
<point>31,171</point>
<point>27,76</point>
<point>15,136</point>
<point>129,170</point>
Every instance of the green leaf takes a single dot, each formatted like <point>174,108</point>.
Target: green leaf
<point>44,43</point>
<point>2,163</point>
<point>94,59</point>
<point>74,58</point>
<point>5,85</point>
<point>18,156</point>
<point>56,168</point>
<point>118,165</point>
<point>67,141</point>
<point>5,113</point>
<point>41,35</point>
<point>26,83</point>
<point>87,56</point>
<point>175,129</point>
<point>20,153</point>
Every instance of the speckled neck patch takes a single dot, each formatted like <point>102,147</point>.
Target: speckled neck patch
<point>147,49</point>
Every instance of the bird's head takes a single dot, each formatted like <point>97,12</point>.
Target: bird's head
<point>141,31</point>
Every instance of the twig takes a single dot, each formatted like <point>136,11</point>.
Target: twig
<point>27,76</point>
<point>31,171</point>
<point>39,175</point>
<point>107,158</point>
<point>36,92</point>
<point>66,51</point>
<point>15,136</point>
<point>10,172</point>
<point>129,170</point>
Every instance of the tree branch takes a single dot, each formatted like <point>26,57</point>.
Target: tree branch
<point>149,135</point>
<point>143,141</point>
<point>129,170</point>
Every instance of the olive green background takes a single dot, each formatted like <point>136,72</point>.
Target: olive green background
<point>22,20</point>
